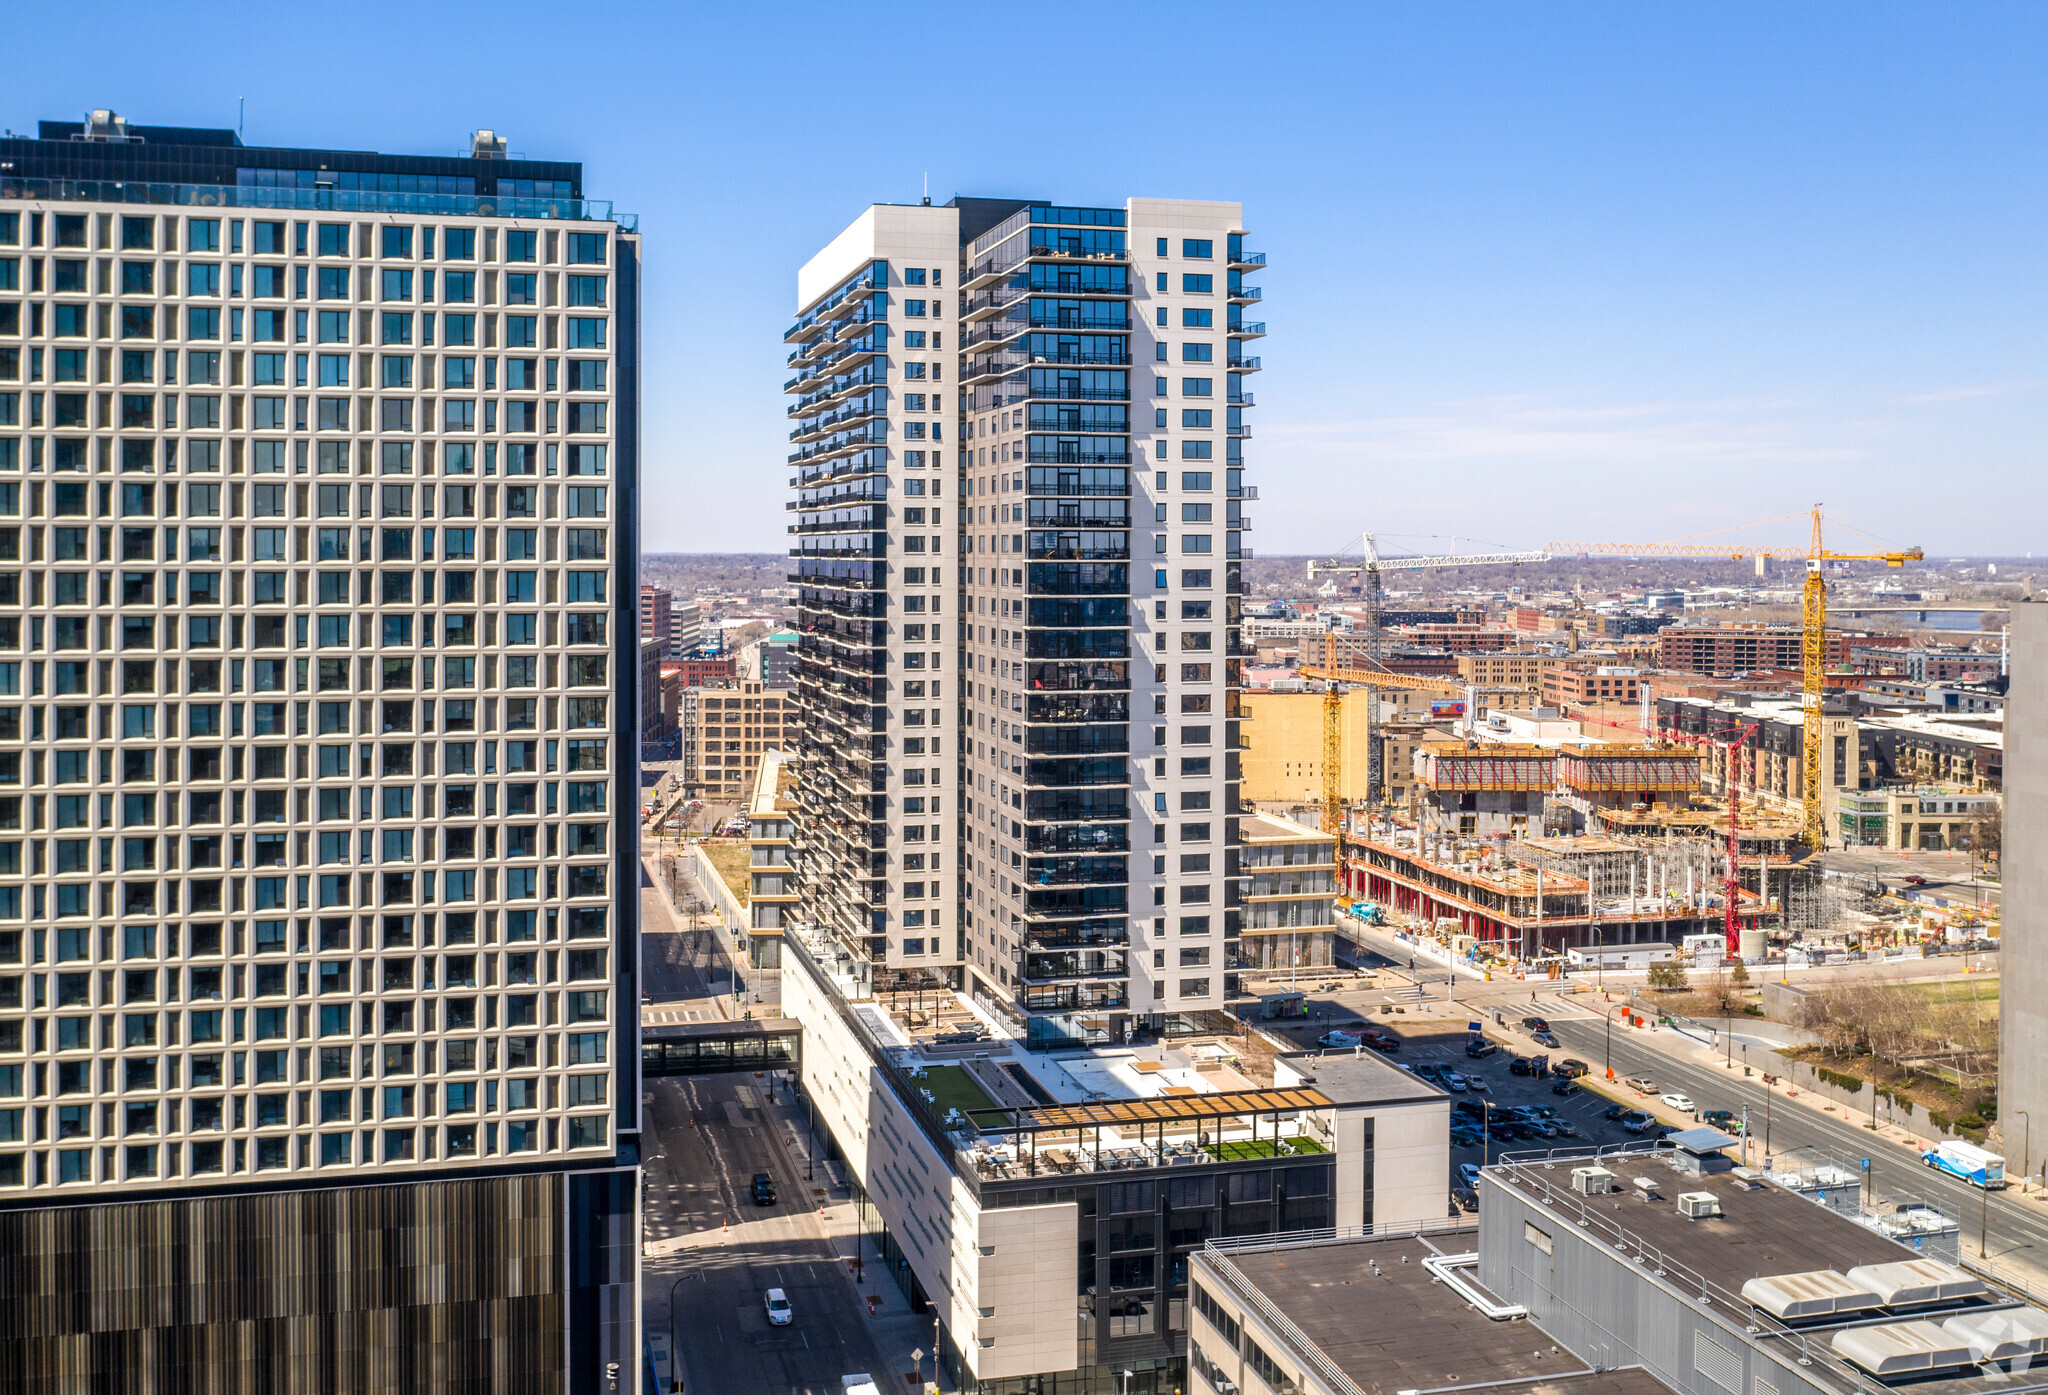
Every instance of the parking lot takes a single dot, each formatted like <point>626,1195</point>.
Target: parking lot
<point>1433,1034</point>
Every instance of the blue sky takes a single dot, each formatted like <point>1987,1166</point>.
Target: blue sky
<point>1578,271</point>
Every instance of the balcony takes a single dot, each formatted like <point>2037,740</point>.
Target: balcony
<point>1052,967</point>
<point>1240,399</point>
<point>1077,871</point>
<point>1241,330</point>
<point>1109,837</point>
<point>1239,295</point>
<point>1240,363</point>
<point>1079,547</point>
<point>1247,261</point>
<point>1074,998</point>
<point>1077,393</point>
<point>1076,772</point>
<point>1107,806</point>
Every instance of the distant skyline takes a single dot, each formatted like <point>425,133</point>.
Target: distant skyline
<point>1585,271</point>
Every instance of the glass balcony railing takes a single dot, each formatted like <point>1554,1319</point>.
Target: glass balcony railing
<point>310,200</point>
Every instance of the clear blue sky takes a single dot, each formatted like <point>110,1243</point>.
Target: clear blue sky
<point>1586,271</point>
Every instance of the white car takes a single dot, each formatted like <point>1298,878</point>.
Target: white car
<point>780,1314</point>
<point>1681,1103</point>
<point>1469,1172</point>
<point>1338,1039</point>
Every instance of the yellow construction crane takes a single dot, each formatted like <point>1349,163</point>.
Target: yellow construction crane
<point>1813,646</point>
<point>1334,675</point>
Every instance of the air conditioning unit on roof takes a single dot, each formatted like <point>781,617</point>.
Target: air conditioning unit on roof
<point>1593,1181</point>
<point>1698,1205</point>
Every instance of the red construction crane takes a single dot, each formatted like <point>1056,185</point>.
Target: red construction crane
<point>1729,894</point>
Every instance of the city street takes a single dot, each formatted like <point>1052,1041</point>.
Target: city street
<point>717,1253</point>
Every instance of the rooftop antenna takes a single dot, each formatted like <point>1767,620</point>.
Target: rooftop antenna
<point>241,112</point>
<point>927,188</point>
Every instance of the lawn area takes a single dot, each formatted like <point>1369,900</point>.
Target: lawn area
<point>729,856</point>
<point>953,1088</point>
<point>1242,1150</point>
<point>1981,989</point>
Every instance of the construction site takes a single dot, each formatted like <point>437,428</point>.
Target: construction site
<point>1517,840</point>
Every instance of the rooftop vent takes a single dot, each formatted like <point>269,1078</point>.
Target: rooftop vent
<point>2003,1335</point>
<point>1593,1181</point>
<point>1815,1294</point>
<point>1902,1349</point>
<point>1916,1281</point>
<point>102,124</point>
<point>486,145</point>
<point>1696,1206</point>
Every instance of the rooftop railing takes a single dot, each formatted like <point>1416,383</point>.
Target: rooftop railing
<point>311,200</point>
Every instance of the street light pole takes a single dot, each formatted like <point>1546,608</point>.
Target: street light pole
<point>675,1349</point>
<point>2026,1149</point>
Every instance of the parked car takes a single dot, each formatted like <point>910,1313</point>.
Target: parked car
<point>1470,1173</point>
<point>1545,1038</point>
<point>1682,1103</point>
<point>1452,1081</point>
<point>1565,1088</point>
<point>1641,1084</point>
<point>1566,1127</point>
<point>1636,1121</point>
<point>764,1189</point>
<point>1464,1199</point>
<point>780,1314</point>
<point>1521,1065</point>
<point>1338,1039</point>
<point>1479,1048</point>
<point>1614,1111</point>
<point>1476,1085</point>
<point>1383,1043</point>
<point>1570,1068</point>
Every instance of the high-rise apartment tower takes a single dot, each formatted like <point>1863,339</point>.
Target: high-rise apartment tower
<point>1019,433</point>
<point>318,948</point>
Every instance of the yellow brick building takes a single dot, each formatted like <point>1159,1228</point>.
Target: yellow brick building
<point>1510,670</point>
<point>1284,756</point>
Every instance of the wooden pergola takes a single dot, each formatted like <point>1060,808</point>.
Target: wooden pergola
<point>1181,1114</point>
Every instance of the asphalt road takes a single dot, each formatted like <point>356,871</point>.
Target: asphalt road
<point>2017,1228</point>
<point>699,1175</point>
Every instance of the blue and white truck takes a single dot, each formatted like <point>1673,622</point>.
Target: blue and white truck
<point>1966,1160</point>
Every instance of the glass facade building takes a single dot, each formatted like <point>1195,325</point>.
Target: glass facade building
<point>1067,620</point>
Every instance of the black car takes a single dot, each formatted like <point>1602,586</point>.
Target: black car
<point>1570,1067</point>
<point>764,1189</point>
<point>1535,1024</point>
<point>1565,1088</point>
<point>1614,1111</point>
<point>1521,1065</point>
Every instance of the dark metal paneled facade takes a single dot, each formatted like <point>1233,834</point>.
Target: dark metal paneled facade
<point>458,1286</point>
